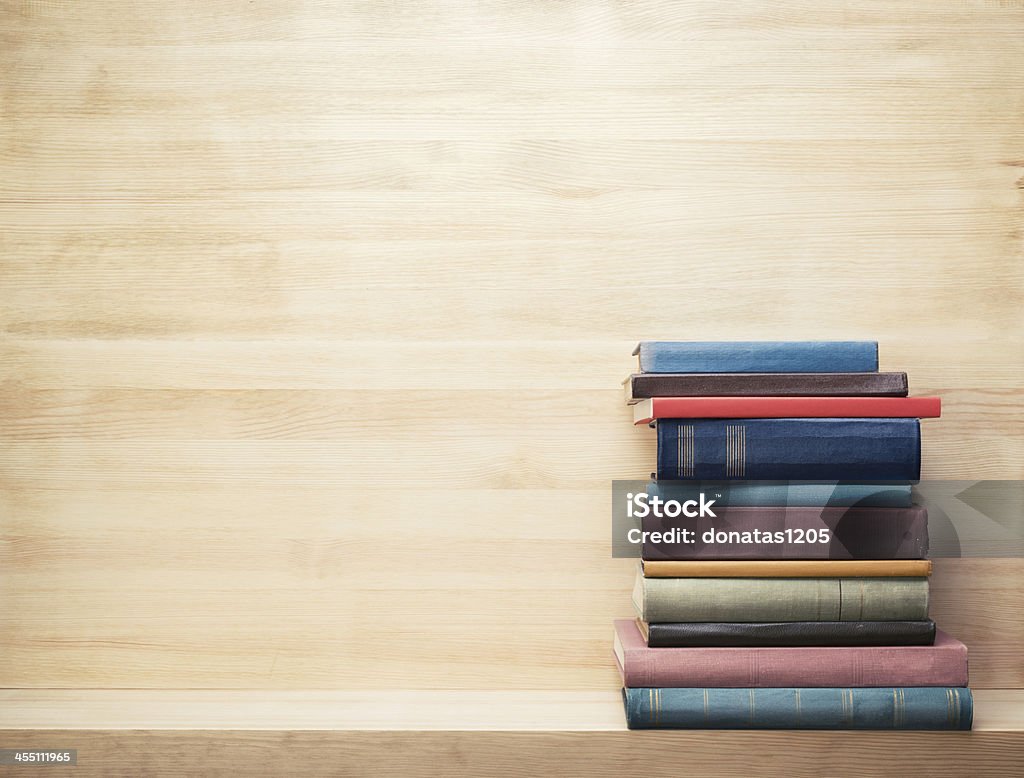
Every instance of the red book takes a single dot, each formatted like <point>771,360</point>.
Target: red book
<point>785,408</point>
<point>943,664</point>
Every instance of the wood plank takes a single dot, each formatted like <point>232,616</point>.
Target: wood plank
<point>151,167</point>
<point>725,753</point>
<point>282,586</point>
<point>441,734</point>
<point>117,362</point>
<point>520,310</point>
<point>644,23</point>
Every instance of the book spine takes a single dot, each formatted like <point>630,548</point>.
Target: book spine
<point>761,667</point>
<point>646,385</point>
<point>884,494</point>
<point>781,599</point>
<point>785,408</point>
<point>921,708</point>
<point>758,357</point>
<point>788,568</point>
<point>775,533</point>
<point>780,449</point>
<point>796,633</point>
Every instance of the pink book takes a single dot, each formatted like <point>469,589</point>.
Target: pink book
<point>943,664</point>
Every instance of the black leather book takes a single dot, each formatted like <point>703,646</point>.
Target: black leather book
<point>642,386</point>
<point>794,633</point>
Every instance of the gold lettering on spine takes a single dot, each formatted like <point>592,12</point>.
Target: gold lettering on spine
<point>691,451</point>
<point>735,451</point>
<point>743,452</point>
<point>679,452</point>
<point>728,451</point>
<point>847,696</point>
<point>684,451</point>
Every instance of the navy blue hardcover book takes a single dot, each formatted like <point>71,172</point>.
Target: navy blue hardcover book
<point>861,708</point>
<point>842,356</point>
<point>789,449</point>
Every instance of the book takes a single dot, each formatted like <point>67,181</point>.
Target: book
<point>780,449</point>
<point>757,356</point>
<point>941,664</point>
<point>791,493</point>
<point>641,386</point>
<point>787,568</point>
<point>928,707</point>
<point>789,533</point>
<point>789,633</point>
<point>647,411</point>
<point>780,599</point>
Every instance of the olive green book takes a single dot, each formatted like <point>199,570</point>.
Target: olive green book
<point>666,600</point>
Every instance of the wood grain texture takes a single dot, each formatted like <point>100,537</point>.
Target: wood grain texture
<point>996,710</point>
<point>441,734</point>
<point>257,259</point>
<point>726,753</point>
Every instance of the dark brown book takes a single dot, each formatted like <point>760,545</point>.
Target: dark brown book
<point>789,633</point>
<point>788,532</point>
<point>642,386</point>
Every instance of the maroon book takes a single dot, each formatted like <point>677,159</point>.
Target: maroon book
<point>941,664</point>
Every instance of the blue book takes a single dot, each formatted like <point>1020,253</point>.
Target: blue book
<point>835,356</point>
<point>861,708</point>
<point>745,494</point>
<point>789,449</point>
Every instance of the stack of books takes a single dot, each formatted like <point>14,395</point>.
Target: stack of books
<point>784,578</point>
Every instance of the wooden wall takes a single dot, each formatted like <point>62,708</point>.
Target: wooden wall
<point>313,314</point>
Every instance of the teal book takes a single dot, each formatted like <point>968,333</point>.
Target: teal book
<point>809,494</point>
<point>949,708</point>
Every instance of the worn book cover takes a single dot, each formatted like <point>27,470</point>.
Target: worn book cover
<point>811,449</point>
<point>640,386</point>
<point>787,568</point>
<point>757,356</point>
<point>682,634</point>
<point>647,411</point>
<point>789,532</point>
<point>780,599</point>
<point>942,664</point>
<point>918,707</point>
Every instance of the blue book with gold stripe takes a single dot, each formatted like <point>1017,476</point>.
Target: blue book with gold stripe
<point>812,449</point>
<point>789,708</point>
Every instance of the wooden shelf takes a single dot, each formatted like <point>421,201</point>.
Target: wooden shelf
<point>445,733</point>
